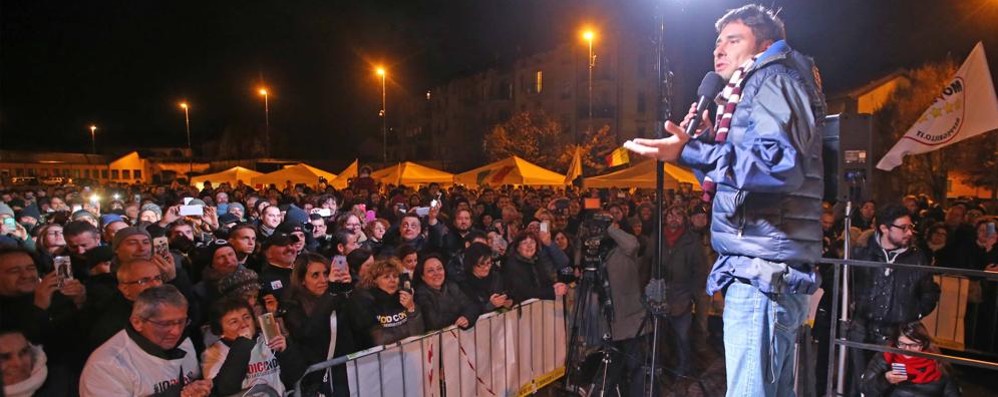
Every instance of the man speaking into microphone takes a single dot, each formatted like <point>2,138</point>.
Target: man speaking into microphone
<point>760,164</point>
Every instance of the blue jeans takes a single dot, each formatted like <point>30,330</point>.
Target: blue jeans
<point>681,326</point>
<point>759,335</point>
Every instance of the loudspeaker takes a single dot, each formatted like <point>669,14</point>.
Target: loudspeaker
<point>848,151</point>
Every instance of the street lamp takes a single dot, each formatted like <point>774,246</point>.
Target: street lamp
<point>93,139</point>
<point>190,152</point>
<point>266,118</point>
<point>384,116</point>
<point>589,36</point>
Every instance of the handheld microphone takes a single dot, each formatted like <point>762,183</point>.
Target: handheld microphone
<point>711,85</point>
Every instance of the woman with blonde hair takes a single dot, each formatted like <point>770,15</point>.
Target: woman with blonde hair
<point>384,304</point>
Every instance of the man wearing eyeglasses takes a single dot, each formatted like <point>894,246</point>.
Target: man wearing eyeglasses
<point>151,356</point>
<point>886,298</point>
<point>111,316</point>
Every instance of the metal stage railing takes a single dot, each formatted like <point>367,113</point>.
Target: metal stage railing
<point>836,373</point>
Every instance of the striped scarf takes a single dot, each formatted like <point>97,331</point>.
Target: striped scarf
<point>726,104</point>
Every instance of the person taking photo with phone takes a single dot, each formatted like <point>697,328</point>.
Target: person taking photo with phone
<point>319,320</point>
<point>892,374</point>
<point>385,310</point>
<point>244,360</point>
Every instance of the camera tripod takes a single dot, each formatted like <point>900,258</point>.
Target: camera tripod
<point>589,369</point>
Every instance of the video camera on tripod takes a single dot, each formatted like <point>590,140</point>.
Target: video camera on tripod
<point>596,245</point>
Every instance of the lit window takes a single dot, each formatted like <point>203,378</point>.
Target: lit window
<point>114,174</point>
<point>539,81</point>
<point>126,174</point>
<point>137,174</point>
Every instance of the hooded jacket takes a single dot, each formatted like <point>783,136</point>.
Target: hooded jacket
<point>623,270</point>
<point>766,224</point>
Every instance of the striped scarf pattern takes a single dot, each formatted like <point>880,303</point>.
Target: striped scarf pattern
<point>726,104</point>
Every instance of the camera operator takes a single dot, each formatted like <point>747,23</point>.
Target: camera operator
<point>617,252</point>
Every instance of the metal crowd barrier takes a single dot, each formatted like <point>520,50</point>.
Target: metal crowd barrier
<point>512,353</point>
<point>837,328</point>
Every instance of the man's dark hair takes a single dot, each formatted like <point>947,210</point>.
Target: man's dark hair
<point>76,228</point>
<point>890,213</point>
<point>341,236</point>
<point>7,250</point>
<point>765,25</point>
<point>357,258</point>
<point>243,226</point>
<point>475,234</point>
<point>178,223</point>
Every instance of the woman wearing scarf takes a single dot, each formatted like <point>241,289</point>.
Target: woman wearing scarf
<point>920,377</point>
<point>317,319</point>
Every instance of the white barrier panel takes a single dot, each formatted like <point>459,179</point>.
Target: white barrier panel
<point>504,354</point>
<point>945,324</point>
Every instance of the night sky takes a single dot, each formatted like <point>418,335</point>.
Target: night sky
<point>124,65</point>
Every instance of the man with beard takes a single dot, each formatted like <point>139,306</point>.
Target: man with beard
<point>686,271</point>
<point>887,298</point>
<point>449,240</point>
<point>80,238</point>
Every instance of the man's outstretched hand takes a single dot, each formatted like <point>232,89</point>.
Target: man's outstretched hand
<point>665,149</point>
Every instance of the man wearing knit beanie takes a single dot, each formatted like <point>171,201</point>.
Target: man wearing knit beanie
<point>153,208</point>
<point>132,243</point>
<point>238,210</point>
<point>6,210</point>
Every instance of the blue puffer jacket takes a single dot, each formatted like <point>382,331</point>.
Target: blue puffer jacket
<point>766,224</point>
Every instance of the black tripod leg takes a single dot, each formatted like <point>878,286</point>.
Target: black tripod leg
<point>574,345</point>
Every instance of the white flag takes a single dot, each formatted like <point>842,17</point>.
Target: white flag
<point>966,107</point>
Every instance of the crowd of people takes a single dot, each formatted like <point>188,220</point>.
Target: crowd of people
<point>173,290</point>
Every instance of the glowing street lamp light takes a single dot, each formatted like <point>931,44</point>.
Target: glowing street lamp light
<point>187,125</point>
<point>588,35</point>
<point>266,118</point>
<point>384,116</point>
<point>93,139</point>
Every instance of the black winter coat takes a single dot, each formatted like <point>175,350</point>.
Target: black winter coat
<point>479,290</point>
<point>899,296</point>
<point>383,318</point>
<point>874,384</point>
<point>311,329</point>
<point>442,307</point>
<point>529,278</point>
